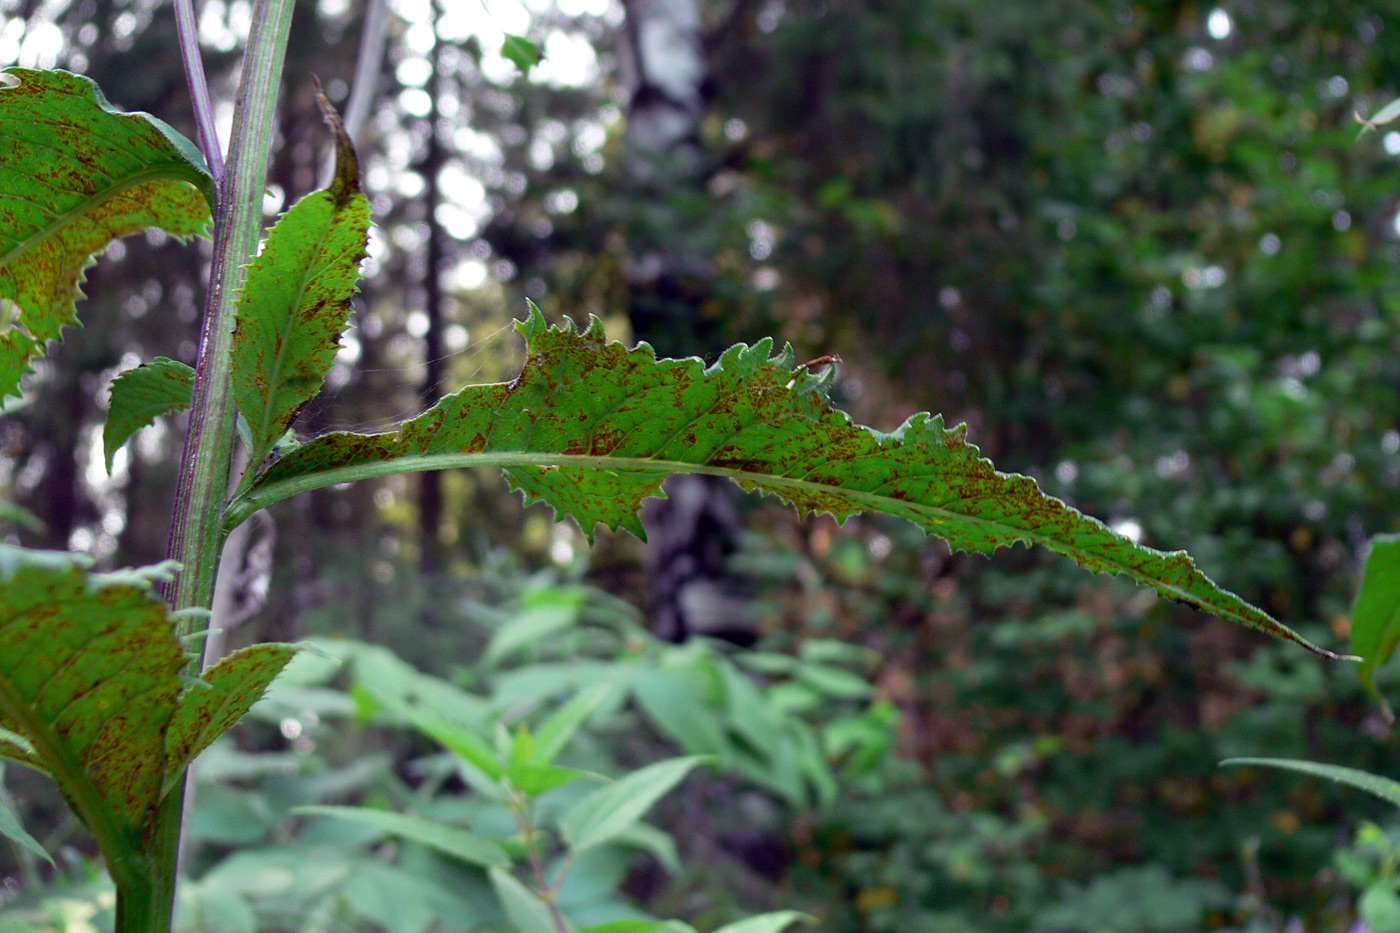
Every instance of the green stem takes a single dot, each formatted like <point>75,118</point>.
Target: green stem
<point>197,528</point>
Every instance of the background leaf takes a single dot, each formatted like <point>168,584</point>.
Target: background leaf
<point>11,829</point>
<point>139,396</point>
<point>1375,619</point>
<point>527,913</point>
<point>592,428</point>
<point>609,811</point>
<point>75,175</point>
<point>1377,786</point>
<point>450,840</point>
<point>520,50</point>
<point>296,299</point>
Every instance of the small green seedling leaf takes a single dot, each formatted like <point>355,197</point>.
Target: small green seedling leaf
<point>76,174</point>
<point>608,812</point>
<point>1377,786</point>
<point>234,685</point>
<point>520,50</point>
<point>535,779</point>
<point>1381,117</point>
<point>296,299</point>
<point>140,396</point>
<point>526,912</point>
<point>89,676</point>
<point>767,923</point>
<point>449,840</point>
<point>1375,619</point>
<point>593,428</point>
<point>11,829</point>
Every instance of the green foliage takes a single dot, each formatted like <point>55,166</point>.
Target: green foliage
<point>1384,788</point>
<point>77,175</point>
<point>296,300</point>
<point>139,396</point>
<point>90,679</point>
<point>1375,621</point>
<point>592,428</point>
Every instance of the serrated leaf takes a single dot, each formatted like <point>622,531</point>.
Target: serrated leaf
<point>1377,786</point>
<point>609,811</point>
<point>89,675</point>
<point>520,50</point>
<point>139,396</point>
<point>592,428</point>
<point>527,913</point>
<point>296,299</point>
<point>76,174</point>
<point>450,840</point>
<point>235,683</point>
<point>1375,619</point>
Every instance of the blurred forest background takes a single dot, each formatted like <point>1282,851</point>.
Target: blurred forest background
<point>1137,246</point>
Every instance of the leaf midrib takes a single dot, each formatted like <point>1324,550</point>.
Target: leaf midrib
<point>263,496</point>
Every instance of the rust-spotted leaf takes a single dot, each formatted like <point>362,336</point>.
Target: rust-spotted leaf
<point>234,685</point>
<point>75,174</point>
<point>592,427</point>
<point>296,299</point>
<point>89,675</point>
<point>139,396</point>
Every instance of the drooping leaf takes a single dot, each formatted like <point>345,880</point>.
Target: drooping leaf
<point>1373,784</point>
<point>296,299</point>
<point>527,913</point>
<point>235,683</point>
<point>140,396</point>
<point>449,840</point>
<point>89,675</point>
<point>11,829</point>
<point>76,174</point>
<point>1375,619</point>
<point>520,50</point>
<point>592,428</point>
<point>609,811</point>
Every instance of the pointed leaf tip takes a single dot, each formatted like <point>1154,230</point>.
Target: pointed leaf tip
<point>296,300</point>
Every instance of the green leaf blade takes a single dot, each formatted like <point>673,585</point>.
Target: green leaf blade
<point>592,428</point>
<point>526,912</point>
<point>235,684</point>
<point>89,675</point>
<point>75,174</point>
<point>139,396</point>
<point>449,840</point>
<point>1377,786</point>
<point>296,300</point>
<point>610,811</point>
<point>1375,618</point>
